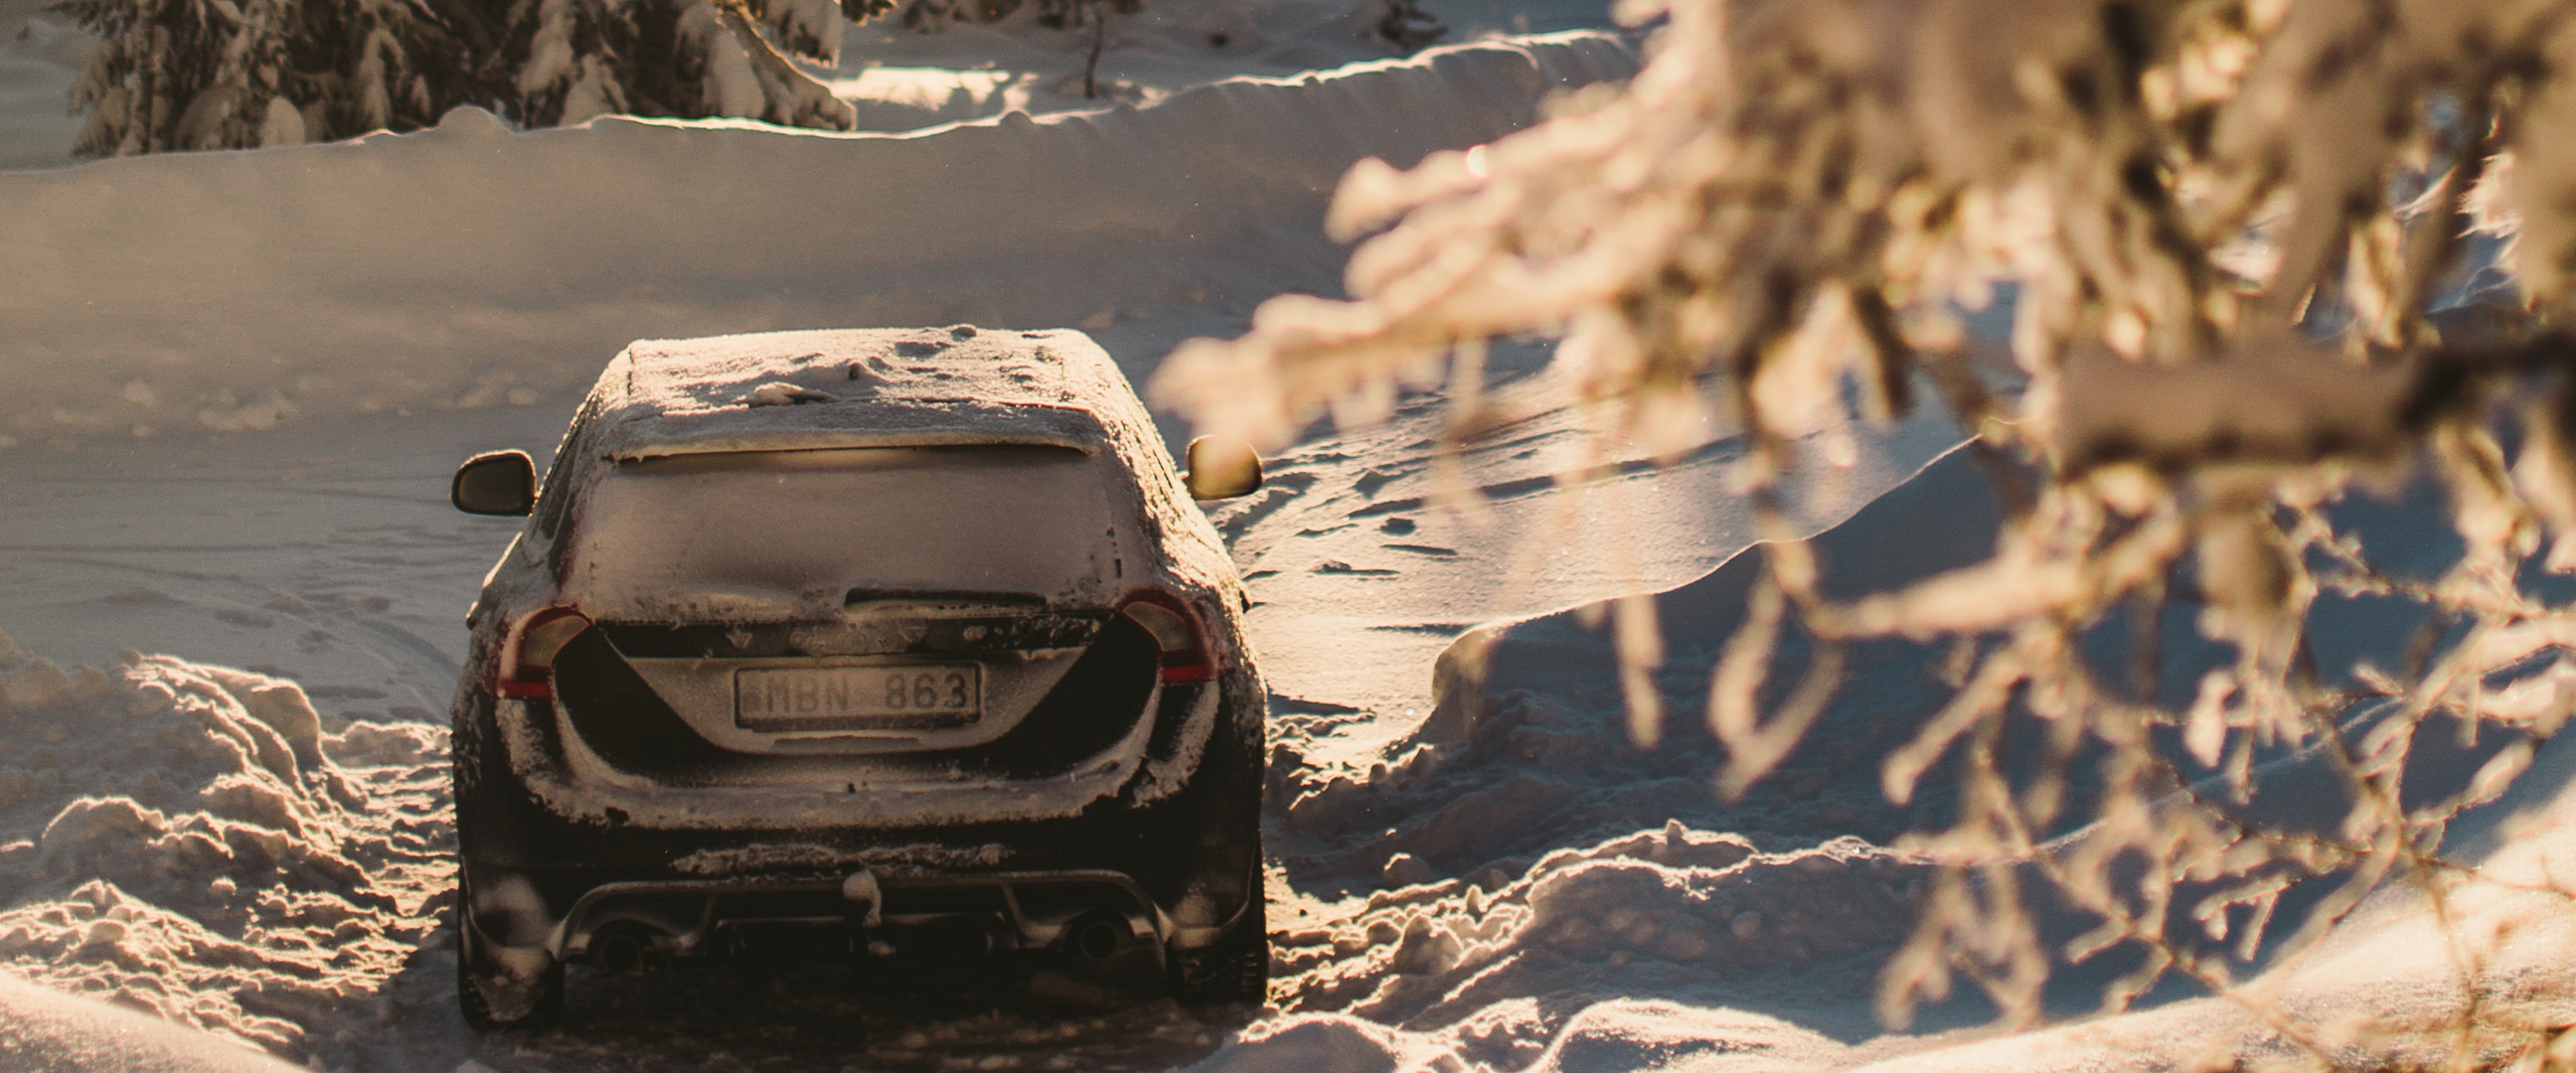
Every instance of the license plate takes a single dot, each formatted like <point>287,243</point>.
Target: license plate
<point>894,697</point>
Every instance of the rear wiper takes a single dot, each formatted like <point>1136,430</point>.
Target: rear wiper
<point>858,597</point>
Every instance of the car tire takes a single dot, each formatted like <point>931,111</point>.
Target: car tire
<point>1235,969</point>
<point>473,966</point>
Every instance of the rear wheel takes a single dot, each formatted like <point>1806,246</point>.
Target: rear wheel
<point>1235,969</point>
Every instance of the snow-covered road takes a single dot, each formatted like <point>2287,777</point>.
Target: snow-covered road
<point>237,384</point>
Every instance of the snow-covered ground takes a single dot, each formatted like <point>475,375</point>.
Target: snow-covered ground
<point>237,383</point>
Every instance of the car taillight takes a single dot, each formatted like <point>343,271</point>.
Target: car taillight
<point>1176,631</point>
<point>527,666</point>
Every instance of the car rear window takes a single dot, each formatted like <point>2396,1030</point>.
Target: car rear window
<point>809,528</point>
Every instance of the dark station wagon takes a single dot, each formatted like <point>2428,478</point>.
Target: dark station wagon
<point>890,644</point>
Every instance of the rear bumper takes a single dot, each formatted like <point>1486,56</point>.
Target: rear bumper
<point>571,780</point>
<point>1176,866</point>
<point>993,913</point>
<point>1177,876</point>
<point>1091,914</point>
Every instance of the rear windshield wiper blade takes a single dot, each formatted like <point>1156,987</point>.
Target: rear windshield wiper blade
<point>858,597</point>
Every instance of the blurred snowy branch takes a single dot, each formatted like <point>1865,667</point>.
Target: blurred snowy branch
<point>2255,256</point>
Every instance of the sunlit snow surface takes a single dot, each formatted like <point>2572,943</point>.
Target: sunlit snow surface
<point>238,382</point>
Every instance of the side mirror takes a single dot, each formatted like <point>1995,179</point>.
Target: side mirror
<point>495,482</point>
<point>1222,468</point>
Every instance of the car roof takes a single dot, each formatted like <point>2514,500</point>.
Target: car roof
<point>860,387</point>
<point>667,397</point>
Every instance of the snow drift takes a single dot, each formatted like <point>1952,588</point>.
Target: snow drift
<point>51,1032</point>
<point>185,839</point>
<point>1666,914</point>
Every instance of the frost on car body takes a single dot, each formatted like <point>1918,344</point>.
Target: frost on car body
<point>912,638</point>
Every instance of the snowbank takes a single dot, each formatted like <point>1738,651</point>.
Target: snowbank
<point>185,839</point>
<point>469,265</point>
<point>1526,748</point>
<point>47,1031</point>
<point>1662,914</point>
<point>898,78</point>
<point>1527,753</point>
<point>1369,551</point>
<point>1608,1037</point>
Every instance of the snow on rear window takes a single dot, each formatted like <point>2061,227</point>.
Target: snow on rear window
<point>796,533</point>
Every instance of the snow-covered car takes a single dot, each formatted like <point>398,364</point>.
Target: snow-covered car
<point>894,643</point>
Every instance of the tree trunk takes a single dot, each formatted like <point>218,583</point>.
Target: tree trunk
<point>1091,63</point>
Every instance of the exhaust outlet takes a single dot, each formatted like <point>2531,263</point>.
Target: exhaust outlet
<point>1099,939</point>
<point>621,952</point>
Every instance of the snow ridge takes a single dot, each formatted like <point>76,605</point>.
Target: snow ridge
<point>522,266</point>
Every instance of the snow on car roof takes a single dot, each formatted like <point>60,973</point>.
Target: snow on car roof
<point>859,387</point>
<point>914,387</point>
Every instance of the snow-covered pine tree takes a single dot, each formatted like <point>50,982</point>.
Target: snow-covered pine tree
<point>218,74</point>
<point>571,60</point>
<point>215,74</point>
